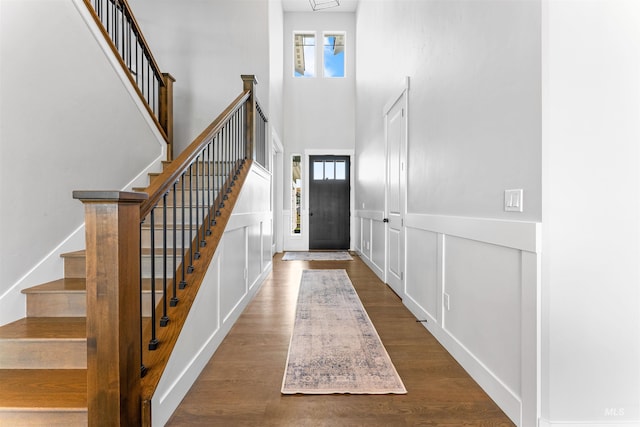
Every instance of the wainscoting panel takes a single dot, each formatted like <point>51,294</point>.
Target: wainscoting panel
<point>255,249</point>
<point>421,282</point>
<point>232,268</point>
<point>377,244</point>
<point>483,284</point>
<point>477,282</point>
<point>241,263</point>
<point>372,240</point>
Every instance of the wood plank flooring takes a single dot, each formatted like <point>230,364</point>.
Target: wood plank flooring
<point>240,386</point>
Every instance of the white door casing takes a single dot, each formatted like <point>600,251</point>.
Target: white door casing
<point>395,117</point>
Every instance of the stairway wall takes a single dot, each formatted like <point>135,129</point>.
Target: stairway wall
<point>68,121</point>
<point>207,45</point>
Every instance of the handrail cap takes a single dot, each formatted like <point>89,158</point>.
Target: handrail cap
<point>249,77</point>
<point>110,196</point>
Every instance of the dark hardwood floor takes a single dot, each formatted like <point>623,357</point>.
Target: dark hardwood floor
<point>240,386</point>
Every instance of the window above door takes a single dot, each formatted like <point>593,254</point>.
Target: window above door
<point>331,54</point>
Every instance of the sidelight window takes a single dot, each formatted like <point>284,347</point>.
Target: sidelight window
<point>296,187</point>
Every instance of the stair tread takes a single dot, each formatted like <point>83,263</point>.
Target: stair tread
<point>145,252</point>
<point>43,389</point>
<point>49,328</point>
<point>78,285</point>
<point>69,285</point>
<point>73,254</point>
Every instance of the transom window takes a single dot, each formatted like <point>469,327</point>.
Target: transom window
<point>304,54</point>
<point>329,170</point>
<point>331,54</point>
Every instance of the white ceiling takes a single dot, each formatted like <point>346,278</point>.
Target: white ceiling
<point>304,6</point>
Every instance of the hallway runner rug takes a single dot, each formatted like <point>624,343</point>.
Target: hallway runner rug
<point>334,347</point>
<point>317,256</point>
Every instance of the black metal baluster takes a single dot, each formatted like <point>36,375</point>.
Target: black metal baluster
<point>201,207</point>
<point>197,206</point>
<point>174,297</point>
<point>209,179</point>
<point>153,342</point>
<point>216,171</point>
<point>183,282</point>
<point>192,254</point>
<point>164,320</point>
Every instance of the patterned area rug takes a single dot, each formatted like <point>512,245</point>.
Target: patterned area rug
<point>334,346</point>
<point>317,256</point>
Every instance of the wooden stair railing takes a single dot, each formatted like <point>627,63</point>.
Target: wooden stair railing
<point>123,34</point>
<point>126,353</point>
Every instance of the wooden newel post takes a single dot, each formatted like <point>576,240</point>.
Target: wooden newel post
<point>250,83</point>
<point>165,115</point>
<point>112,224</point>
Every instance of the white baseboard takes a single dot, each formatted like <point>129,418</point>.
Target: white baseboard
<point>372,265</point>
<point>547,423</point>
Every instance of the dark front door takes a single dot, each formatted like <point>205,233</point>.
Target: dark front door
<point>329,202</point>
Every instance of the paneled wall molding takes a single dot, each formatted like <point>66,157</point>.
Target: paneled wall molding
<point>522,235</point>
<point>477,282</point>
<point>245,219</point>
<point>370,214</point>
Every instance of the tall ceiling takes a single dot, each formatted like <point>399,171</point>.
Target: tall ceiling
<point>304,6</point>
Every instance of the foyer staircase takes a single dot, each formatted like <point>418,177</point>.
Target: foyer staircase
<point>43,357</point>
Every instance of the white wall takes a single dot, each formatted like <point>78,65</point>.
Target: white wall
<point>591,213</point>
<point>474,104</point>
<point>474,130</point>
<point>240,265</point>
<point>68,121</point>
<point>206,46</point>
<point>319,113</point>
<point>276,76</point>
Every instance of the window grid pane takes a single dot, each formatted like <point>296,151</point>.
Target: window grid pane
<point>341,170</point>
<point>318,170</point>
<point>329,168</point>
<point>333,55</point>
<point>304,55</point>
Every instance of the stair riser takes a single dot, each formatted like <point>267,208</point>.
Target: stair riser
<point>37,417</point>
<point>75,267</point>
<point>43,354</point>
<point>57,305</point>
<point>73,305</point>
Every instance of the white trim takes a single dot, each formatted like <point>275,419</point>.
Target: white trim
<point>401,94</point>
<point>277,183</point>
<point>117,67</point>
<point>399,91</point>
<point>547,423</point>
<point>523,406</point>
<point>521,235</point>
<point>369,214</point>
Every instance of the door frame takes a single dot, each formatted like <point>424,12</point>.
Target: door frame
<point>400,92</point>
<point>305,190</point>
<point>277,192</point>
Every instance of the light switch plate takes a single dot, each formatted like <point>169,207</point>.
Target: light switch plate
<point>513,200</point>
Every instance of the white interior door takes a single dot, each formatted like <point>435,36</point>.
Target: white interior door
<point>395,121</point>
